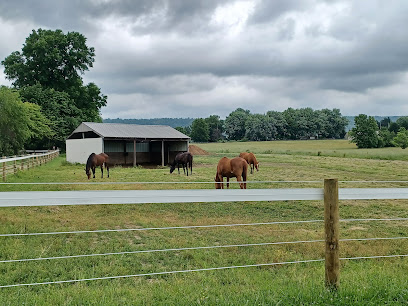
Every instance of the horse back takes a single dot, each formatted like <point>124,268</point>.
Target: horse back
<point>224,167</point>
<point>239,166</point>
<point>244,155</point>
<point>252,159</point>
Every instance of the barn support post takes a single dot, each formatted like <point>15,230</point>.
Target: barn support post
<point>15,166</point>
<point>134,152</point>
<point>162,152</point>
<point>331,227</point>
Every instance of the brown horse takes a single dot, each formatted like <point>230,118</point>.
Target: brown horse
<point>235,167</point>
<point>251,160</point>
<point>185,159</point>
<point>95,161</point>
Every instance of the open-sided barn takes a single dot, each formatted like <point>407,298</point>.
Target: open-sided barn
<point>126,144</point>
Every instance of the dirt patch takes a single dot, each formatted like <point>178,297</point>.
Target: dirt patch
<point>196,150</point>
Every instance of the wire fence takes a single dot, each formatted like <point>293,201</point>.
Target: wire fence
<point>357,196</point>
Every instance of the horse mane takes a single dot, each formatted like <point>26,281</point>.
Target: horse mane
<point>89,161</point>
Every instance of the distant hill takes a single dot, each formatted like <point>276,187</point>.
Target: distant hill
<point>173,122</point>
<point>378,118</point>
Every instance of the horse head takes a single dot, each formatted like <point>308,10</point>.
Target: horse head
<point>88,172</point>
<point>217,182</point>
<point>172,167</point>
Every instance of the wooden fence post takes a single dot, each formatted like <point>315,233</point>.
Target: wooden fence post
<point>15,166</point>
<point>4,171</point>
<point>331,227</point>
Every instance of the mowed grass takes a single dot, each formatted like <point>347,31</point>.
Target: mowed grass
<point>363,282</point>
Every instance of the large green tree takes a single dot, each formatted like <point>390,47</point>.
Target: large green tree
<point>199,130</point>
<point>235,124</point>
<point>365,132</point>
<point>19,122</point>
<point>215,128</point>
<point>56,61</point>
<point>260,127</point>
<point>401,140</point>
<point>63,114</point>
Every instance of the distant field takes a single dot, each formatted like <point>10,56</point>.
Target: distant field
<point>363,282</point>
<point>335,148</point>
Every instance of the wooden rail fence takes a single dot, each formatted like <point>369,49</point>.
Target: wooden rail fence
<point>11,165</point>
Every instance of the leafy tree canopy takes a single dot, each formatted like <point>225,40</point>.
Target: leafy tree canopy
<point>364,134</point>
<point>51,64</point>
<point>401,140</point>
<point>235,124</point>
<point>19,122</point>
<point>199,130</point>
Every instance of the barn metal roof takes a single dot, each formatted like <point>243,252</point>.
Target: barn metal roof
<point>118,130</point>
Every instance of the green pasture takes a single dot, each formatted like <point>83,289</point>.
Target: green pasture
<point>363,282</point>
<point>333,148</point>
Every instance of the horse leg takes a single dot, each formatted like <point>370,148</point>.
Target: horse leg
<point>102,171</point>
<point>93,171</point>
<point>191,167</point>
<point>250,166</point>
<point>228,182</point>
<point>107,168</point>
<point>244,177</point>
<point>178,168</point>
<point>187,168</point>
<point>240,184</point>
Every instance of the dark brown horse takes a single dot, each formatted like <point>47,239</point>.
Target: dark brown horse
<point>185,159</point>
<point>251,160</point>
<point>235,167</point>
<point>96,161</point>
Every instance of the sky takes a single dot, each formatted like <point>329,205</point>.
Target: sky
<point>196,58</point>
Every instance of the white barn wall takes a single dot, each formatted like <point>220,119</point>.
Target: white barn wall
<point>78,150</point>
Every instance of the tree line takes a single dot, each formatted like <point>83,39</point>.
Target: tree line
<point>48,98</point>
<point>369,133</point>
<point>291,124</point>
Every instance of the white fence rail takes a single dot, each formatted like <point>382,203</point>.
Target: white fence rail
<point>87,197</point>
<point>11,165</point>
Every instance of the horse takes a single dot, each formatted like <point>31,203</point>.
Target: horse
<point>235,167</point>
<point>185,159</point>
<point>251,160</point>
<point>95,161</point>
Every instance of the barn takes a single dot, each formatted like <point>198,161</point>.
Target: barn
<point>126,144</point>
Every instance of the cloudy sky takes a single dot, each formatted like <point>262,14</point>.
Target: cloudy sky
<point>194,58</point>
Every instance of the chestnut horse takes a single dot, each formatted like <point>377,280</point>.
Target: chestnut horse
<point>185,159</point>
<point>235,167</point>
<point>95,161</point>
<point>251,160</point>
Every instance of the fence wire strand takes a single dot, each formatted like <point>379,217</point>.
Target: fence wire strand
<point>196,226</point>
<point>197,248</point>
<point>195,270</point>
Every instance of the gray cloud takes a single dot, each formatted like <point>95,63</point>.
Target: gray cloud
<point>258,54</point>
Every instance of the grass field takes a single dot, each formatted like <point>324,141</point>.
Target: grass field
<point>363,282</point>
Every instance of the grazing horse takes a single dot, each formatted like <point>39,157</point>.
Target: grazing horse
<point>251,160</point>
<point>235,167</point>
<point>185,159</point>
<point>95,161</point>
